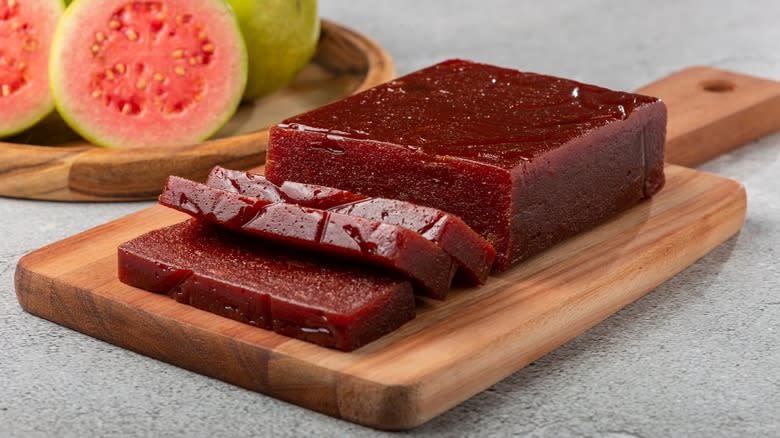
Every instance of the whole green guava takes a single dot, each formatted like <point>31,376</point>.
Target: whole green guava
<point>281,36</point>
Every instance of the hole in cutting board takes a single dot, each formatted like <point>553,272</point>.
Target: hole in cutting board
<point>717,85</point>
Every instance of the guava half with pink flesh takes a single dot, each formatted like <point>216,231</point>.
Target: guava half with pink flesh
<point>26,31</point>
<point>147,73</point>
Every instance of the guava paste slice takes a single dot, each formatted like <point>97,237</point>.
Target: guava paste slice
<point>313,230</point>
<point>258,186</point>
<point>473,254</point>
<point>26,30</point>
<point>304,297</point>
<point>147,73</point>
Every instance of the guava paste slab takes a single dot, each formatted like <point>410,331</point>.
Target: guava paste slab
<point>258,283</point>
<point>473,254</point>
<point>321,231</point>
<point>526,160</point>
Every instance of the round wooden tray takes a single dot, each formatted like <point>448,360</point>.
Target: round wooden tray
<point>51,162</point>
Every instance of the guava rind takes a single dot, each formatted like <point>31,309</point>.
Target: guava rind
<point>46,107</point>
<point>281,36</point>
<point>29,122</point>
<point>83,126</point>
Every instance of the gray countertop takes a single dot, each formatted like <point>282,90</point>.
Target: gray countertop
<point>698,356</point>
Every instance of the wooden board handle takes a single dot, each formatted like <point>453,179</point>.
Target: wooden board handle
<point>713,111</point>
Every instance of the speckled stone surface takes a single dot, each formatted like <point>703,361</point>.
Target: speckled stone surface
<point>699,356</point>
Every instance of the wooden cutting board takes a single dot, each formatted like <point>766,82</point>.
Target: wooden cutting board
<point>51,162</point>
<point>453,349</point>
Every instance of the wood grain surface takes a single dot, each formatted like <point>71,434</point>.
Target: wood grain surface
<point>453,349</point>
<point>713,111</point>
<point>51,162</point>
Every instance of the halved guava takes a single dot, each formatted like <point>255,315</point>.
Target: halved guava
<point>147,73</point>
<point>26,30</point>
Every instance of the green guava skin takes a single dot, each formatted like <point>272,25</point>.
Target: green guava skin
<point>281,36</point>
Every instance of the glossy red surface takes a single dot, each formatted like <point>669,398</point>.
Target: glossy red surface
<point>359,239</point>
<point>310,298</point>
<point>470,111</point>
<point>258,186</point>
<point>525,159</point>
<point>473,254</point>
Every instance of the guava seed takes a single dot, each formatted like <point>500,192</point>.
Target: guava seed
<point>150,77</point>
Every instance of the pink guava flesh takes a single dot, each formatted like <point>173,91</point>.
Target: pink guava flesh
<point>26,30</point>
<point>148,73</point>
